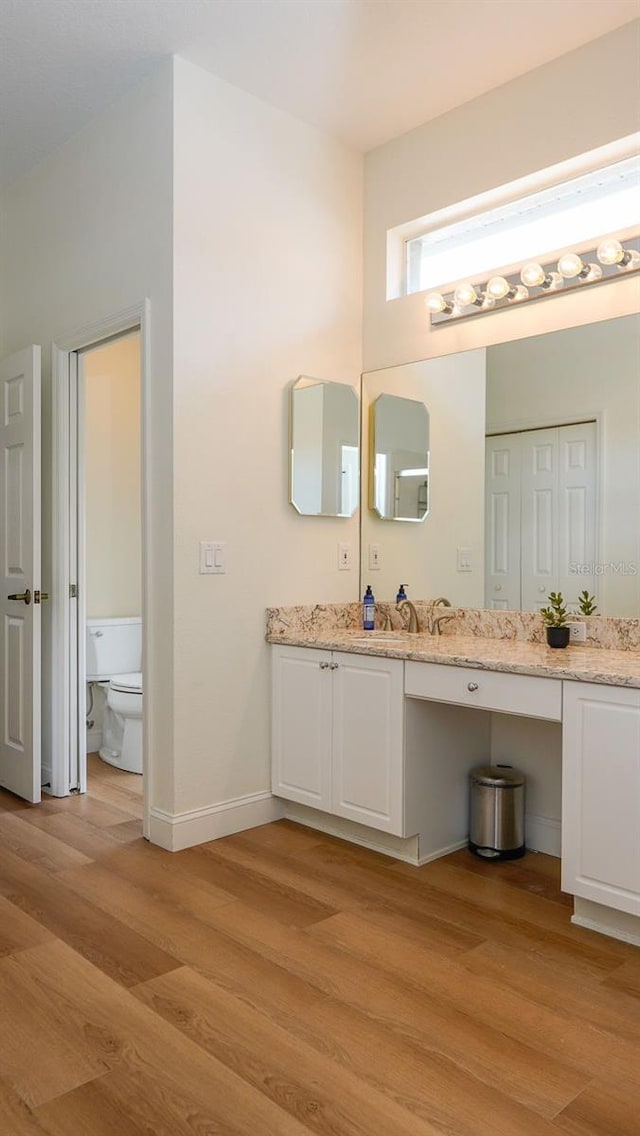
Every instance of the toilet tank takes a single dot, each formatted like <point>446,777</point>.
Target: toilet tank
<point>113,646</point>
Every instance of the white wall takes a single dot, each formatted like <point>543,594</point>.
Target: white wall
<point>112,479</point>
<point>578,374</point>
<point>268,259</point>
<point>578,102</point>
<point>87,234</point>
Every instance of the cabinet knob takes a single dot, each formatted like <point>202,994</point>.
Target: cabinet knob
<point>324,666</point>
<point>334,666</point>
<point>497,587</point>
<point>471,686</point>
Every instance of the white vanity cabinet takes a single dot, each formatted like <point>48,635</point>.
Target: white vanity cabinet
<point>601,794</point>
<point>338,734</point>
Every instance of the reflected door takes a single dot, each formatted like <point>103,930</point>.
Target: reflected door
<point>541,508</point>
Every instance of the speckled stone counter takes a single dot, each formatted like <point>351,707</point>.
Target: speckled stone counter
<point>333,627</point>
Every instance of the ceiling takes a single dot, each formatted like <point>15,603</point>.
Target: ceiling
<point>363,70</point>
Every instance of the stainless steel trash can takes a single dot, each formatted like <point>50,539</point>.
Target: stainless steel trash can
<point>496,812</point>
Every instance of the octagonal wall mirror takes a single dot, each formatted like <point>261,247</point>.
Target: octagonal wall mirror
<point>324,432</point>
<point>399,481</point>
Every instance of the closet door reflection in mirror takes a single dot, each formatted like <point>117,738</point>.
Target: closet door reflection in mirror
<point>399,481</point>
<point>324,466</point>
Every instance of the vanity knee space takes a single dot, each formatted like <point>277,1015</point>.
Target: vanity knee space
<point>389,743</point>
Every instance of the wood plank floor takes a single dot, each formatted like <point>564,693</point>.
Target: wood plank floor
<point>281,983</point>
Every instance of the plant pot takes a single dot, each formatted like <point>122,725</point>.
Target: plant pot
<point>558,636</point>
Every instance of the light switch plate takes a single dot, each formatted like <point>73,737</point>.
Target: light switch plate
<point>374,557</point>
<point>463,559</point>
<point>213,558</point>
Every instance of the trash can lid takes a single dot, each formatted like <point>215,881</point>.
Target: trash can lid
<point>498,776</point>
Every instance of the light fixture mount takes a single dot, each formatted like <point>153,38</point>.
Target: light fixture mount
<point>537,280</point>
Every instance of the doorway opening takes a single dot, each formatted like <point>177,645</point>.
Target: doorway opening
<point>109,553</point>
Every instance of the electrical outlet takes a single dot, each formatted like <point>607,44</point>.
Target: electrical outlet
<point>577,632</point>
<point>374,557</point>
<point>463,560</point>
<point>344,557</point>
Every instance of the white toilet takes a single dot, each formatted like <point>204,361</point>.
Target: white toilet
<point>114,655</point>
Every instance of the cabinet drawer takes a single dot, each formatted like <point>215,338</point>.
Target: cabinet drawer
<point>487,690</point>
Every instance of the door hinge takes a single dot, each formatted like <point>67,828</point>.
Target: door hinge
<point>73,591</point>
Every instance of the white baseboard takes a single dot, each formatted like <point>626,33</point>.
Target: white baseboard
<point>175,831</point>
<point>440,852</point>
<point>606,921</point>
<point>94,741</point>
<point>542,834</point>
<point>400,848</point>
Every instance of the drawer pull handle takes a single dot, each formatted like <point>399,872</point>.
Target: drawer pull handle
<point>472,686</point>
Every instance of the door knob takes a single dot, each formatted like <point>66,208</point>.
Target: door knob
<point>24,596</point>
<point>38,596</point>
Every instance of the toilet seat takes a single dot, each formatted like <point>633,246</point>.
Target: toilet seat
<point>127,683</point>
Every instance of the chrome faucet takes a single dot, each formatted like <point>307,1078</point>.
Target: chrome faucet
<point>413,626</point>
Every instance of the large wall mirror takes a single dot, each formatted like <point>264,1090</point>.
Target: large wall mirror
<point>534,473</point>
<point>324,456</point>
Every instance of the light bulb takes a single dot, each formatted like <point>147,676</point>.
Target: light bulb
<point>498,287</point>
<point>465,294</point>
<point>532,274</point>
<point>487,301</point>
<point>437,303</point>
<point>570,265</point>
<point>554,281</point>
<point>634,260</point>
<point>610,252</point>
<point>592,272</point>
<point>519,293</point>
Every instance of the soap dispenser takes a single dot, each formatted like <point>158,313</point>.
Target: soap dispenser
<point>402,595</point>
<point>368,610</point>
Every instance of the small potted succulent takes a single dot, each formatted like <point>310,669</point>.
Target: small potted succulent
<point>556,618</point>
<point>587,604</point>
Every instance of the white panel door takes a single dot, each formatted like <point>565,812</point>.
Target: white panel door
<point>576,510</point>
<point>539,536</point>
<point>367,765</point>
<point>301,726</point>
<point>20,556</point>
<point>502,504</point>
<point>541,509</point>
<point>601,794</point>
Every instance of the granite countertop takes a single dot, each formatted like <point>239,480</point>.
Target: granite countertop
<point>577,663</point>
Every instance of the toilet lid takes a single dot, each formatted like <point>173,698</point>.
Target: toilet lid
<point>127,683</point>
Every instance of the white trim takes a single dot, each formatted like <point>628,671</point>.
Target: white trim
<point>543,834</point>
<point>175,831</point>
<point>405,849</point>
<point>93,741</point>
<point>606,921</point>
<point>430,856</point>
<point>118,323</point>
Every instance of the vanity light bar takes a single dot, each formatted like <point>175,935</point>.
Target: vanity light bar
<point>537,281</point>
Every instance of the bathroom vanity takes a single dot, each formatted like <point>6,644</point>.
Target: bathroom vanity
<point>383,733</point>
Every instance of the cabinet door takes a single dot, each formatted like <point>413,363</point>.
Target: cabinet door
<point>301,725</point>
<point>368,760</point>
<point>601,794</point>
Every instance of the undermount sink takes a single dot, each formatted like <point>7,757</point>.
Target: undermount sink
<point>386,638</point>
